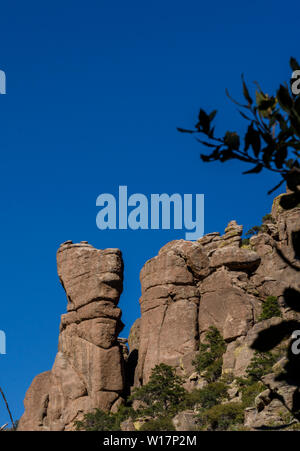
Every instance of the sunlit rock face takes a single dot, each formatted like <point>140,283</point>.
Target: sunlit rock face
<point>88,370</point>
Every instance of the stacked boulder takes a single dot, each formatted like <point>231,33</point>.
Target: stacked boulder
<point>88,371</point>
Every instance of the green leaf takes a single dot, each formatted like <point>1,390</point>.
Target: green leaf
<point>282,122</point>
<point>267,154</point>
<point>254,170</point>
<point>284,99</point>
<point>183,130</point>
<point>212,157</point>
<point>246,92</point>
<point>265,104</point>
<point>204,121</point>
<point>205,158</point>
<point>232,140</point>
<point>280,156</point>
<point>212,115</point>
<point>294,64</point>
<point>289,163</point>
<point>260,97</point>
<point>252,138</point>
<point>205,143</point>
<point>234,101</point>
<point>226,155</point>
<point>295,124</point>
<point>244,116</point>
<point>297,105</point>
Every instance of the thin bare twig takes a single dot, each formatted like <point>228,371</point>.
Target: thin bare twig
<point>9,412</point>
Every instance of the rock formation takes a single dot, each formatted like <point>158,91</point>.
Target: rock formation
<point>216,281</point>
<point>88,370</point>
<point>188,287</point>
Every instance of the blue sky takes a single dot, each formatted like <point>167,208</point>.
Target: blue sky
<point>95,91</point>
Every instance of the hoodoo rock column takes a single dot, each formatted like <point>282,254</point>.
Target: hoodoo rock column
<point>88,370</point>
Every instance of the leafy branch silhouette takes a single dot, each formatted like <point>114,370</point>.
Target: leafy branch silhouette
<point>271,142</point>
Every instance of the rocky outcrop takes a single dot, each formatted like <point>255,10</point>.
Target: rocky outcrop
<point>185,421</point>
<point>88,370</point>
<point>169,306</point>
<point>217,281</point>
<point>187,288</point>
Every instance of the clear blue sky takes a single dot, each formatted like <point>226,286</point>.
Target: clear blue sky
<point>95,91</point>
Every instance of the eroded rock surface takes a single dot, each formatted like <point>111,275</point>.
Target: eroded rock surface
<point>88,371</point>
<point>218,281</point>
<point>187,288</point>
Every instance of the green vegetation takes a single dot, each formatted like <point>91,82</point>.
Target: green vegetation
<point>105,421</point>
<point>207,397</point>
<point>164,396</point>
<point>163,423</point>
<point>272,138</point>
<point>209,360</point>
<point>245,241</point>
<point>98,421</point>
<point>270,308</point>
<point>222,416</point>
<point>163,393</point>
<point>253,231</point>
<point>258,228</point>
<point>272,142</point>
<point>249,390</point>
<point>268,218</point>
<point>260,365</point>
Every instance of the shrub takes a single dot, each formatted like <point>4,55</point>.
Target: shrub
<point>270,308</point>
<point>260,365</point>
<point>98,421</point>
<point>163,393</point>
<point>268,218</point>
<point>245,241</point>
<point>222,416</point>
<point>249,393</point>
<point>163,423</point>
<point>209,357</point>
<point>253,231</point>
<point>104,421</point>
<point>214,370</point>
<point>208,396</point>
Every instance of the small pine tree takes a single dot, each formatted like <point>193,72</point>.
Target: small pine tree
<point>209,357</point>
<point>270,308</point>
<point>163,393</point>
<point>260,365</point>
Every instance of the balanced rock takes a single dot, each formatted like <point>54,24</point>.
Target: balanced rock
<point>88,369</point>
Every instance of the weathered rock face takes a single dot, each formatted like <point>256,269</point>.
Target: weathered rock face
<point>88,370</point>
<point>185,421</point>
<point>188,287</point>
<point>217,281</point>
<point>169,306</point>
